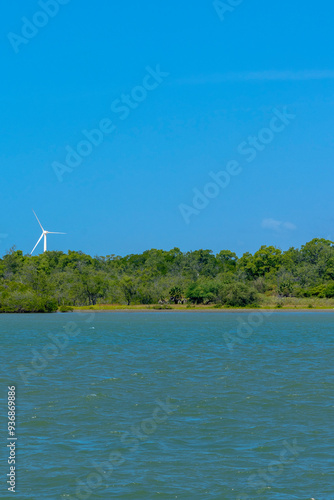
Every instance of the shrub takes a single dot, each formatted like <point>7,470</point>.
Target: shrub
<point>202,292</point>
<point>329,291</point>
<point>49,305</point>
<point>27,302</point>
<point>65,309</point>
<point>238,295</point>
<point>316,291</point>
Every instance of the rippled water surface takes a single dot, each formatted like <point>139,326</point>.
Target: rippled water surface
<point>168,405</point>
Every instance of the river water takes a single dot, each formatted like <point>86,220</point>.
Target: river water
<point>165,405</point>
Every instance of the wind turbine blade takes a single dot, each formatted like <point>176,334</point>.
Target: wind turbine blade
<point>50,232</point>
<point>37,243</point>
<point>38,221</point>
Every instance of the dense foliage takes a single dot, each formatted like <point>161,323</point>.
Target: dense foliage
<point>52,280</point>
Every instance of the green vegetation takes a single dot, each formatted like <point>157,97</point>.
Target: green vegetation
<point>156,278</point>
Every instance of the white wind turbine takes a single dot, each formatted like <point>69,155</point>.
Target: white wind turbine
<point>44,233</point>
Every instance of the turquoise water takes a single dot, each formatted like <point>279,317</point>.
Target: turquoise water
<point>165,405</point>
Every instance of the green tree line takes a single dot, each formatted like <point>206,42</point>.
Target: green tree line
<point>56,280</point>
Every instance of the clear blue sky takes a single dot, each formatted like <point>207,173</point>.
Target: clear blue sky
<point>225,78</point>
